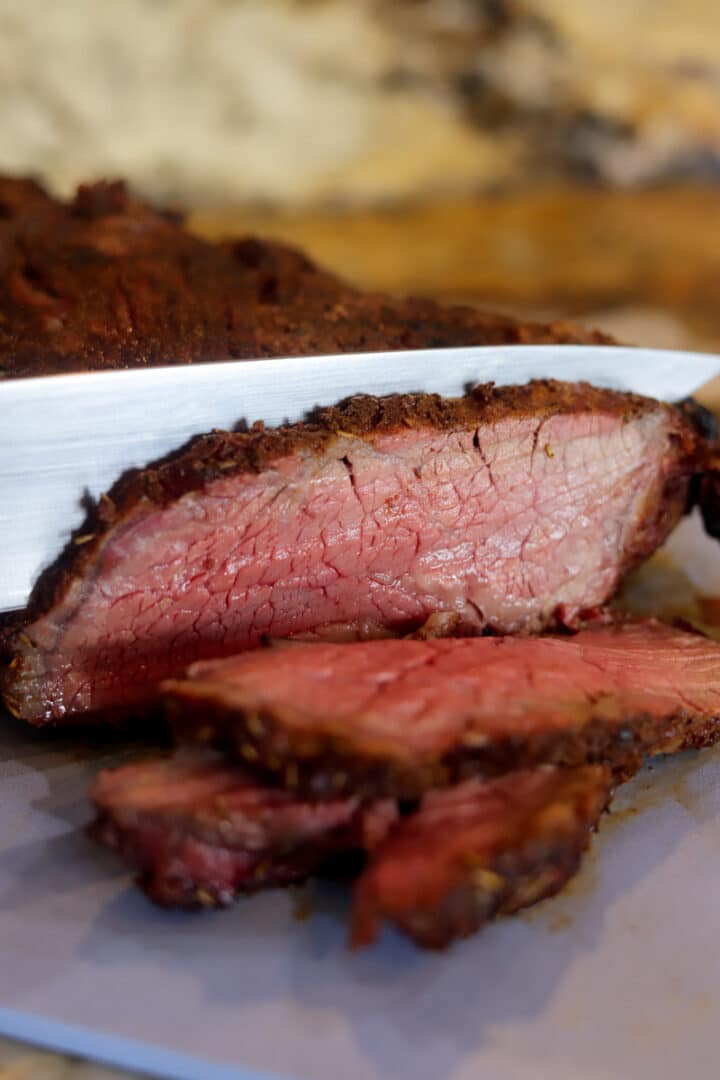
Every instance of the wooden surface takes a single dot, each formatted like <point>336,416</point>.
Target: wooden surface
<point>18,1062</point>
<point>558,251</point>
<point>644,266</point>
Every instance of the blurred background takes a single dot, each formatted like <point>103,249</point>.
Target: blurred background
<point>539,156</point>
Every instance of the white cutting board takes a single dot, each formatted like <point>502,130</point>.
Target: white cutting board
<point>619,977</point>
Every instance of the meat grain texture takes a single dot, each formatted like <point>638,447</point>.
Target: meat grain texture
<point>400,717</point>
<point>512,509</point>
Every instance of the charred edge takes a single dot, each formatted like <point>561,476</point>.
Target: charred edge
<point>708,496</point>
<point>323,767</point>
<point>470,907</point>
<point>703,420</point>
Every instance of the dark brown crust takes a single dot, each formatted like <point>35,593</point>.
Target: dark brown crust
<point>325,767</point>
<point>105,282</point>
<point>533,864</point>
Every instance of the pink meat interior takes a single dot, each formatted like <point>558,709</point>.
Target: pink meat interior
<point>501,525</point>
<point>217,802</point>
<point>404,698</point>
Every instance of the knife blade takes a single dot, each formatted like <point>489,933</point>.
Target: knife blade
<point>63,436</point>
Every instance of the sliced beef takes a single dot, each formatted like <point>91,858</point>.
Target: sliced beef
<point>479,850</point>
<point>398,717</point>
<point>514,509</point>
<point>201,830</point>
<point>105,282</point>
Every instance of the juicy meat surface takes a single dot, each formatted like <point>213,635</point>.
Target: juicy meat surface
<point>200,830</point>
<point>399,717</point>
<point>479,850</point>
<point>104,281</point>
<point>514,509</point>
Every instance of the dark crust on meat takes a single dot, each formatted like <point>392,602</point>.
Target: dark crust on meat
<point>528,878</point>
<point>224,454</point>
<point>324,766</point>
<point>105,282</point>
<point>534,865</point>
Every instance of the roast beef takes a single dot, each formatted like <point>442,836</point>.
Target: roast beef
<point>514,509</point>
<point>201,830</point>
<point>479,850</point>
<point>398,717</point>
<point>106,282</point>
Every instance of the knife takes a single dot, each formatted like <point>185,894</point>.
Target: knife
<point>64,436</point>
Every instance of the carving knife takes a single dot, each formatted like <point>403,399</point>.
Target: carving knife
<point>63,437</point>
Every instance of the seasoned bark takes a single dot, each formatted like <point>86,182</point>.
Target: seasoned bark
<point>106,282</point>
